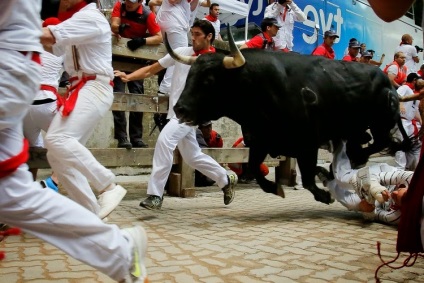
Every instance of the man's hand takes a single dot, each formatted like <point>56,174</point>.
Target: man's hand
<point>135,43</point>
<point>121,75</point>
<point>122,27</point>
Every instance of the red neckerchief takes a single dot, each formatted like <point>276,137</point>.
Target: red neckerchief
<point>211,18</point>
<point>204,51</point>
<point>285,13</point>
<point>411,85</point>
<point>71,11</point>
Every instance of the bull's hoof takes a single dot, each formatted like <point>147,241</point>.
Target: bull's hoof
<point>280,192</point>
<point>324,197</point>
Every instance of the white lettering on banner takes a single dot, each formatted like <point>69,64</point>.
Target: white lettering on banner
<point>259,9</point>
<point>324,24</point>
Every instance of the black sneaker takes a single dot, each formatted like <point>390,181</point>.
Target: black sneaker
<point>124,143</point>
<point>323,175</point>
<point>139,144</point>
<point>152,202</point>
<point>229,191</point>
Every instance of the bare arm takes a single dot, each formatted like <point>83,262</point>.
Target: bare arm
<point>415,96</point>
<point>205,3</point>
<point>154,39</point>
<point>139,74</point>
<point>114,24</point>
<point>47,38</point>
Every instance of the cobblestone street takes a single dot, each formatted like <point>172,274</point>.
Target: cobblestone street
<point>257,238</point>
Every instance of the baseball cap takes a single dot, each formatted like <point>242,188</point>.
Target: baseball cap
<point>412,76</point>
<point>205,124</point>
<point>330,33</point>
<point>367,54</point>
<point>270,22</point>
<point>354,44</point>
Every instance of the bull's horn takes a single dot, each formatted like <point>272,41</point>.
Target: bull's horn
<point>188,60</point>
<point>236,59</point>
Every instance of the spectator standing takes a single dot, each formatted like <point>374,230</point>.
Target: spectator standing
<point>213,18</point>
<point>180,134</point>
<point>410,52</point>
<point>353,51</point>
<point>173,18</point>
<point>287,13</point>
<point>326,48</point>
<point>131,19</point>
<point>346,52</point>
<point>376,63</point>
<point>264,40</point>
<point>397,71</point>
<point>45,214</point>
<point>366,57</point>
<point>411,121</point>
<point>84,38</point>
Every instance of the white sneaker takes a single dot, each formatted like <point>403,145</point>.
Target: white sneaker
<point>109,200</point>
<point>138,242</point>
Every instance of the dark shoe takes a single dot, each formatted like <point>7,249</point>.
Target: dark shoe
<point>152,202</point>
<point>139,144</point>
<point>323,175</point>
<point>229,191</point>
<point>124,143</point>
<point>246,180</point>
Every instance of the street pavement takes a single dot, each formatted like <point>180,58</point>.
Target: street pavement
<point>257,238</point>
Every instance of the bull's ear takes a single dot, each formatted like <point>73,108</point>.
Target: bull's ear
<point>188,60</point>
<point>236,59</point>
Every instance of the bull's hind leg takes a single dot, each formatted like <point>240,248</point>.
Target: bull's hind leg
<point>307,167</point>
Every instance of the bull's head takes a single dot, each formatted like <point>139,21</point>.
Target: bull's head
<point>206,83</point>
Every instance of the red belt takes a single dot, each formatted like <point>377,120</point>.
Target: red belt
<point>52,89</point>
<point>35,56</point>
<point>414,124</point>
<point>8,166</point>
<point>72,93</point>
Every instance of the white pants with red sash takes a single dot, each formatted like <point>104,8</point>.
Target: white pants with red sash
<point>65,141</point>
<point>44,213</point>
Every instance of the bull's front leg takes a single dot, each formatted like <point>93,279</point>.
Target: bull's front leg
<point>256,157</point>
<point>307,167</point>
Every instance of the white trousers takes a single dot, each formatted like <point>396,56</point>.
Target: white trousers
<point>37,119</point>
<point>176,38</point>
<point>40,212</point>
<point>65,141</point>
<point>184,136</point>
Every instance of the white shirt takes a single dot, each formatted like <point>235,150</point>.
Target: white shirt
<point>409,52</point>
<point>89,31</point>
<point>179,78</point>
<point>284,37</point>
<point>216,25</point>
<point>174,17</point>
<point>411,107</point>
<point>17,21</point>
<point>51,71</point>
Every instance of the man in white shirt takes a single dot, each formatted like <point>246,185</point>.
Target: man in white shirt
<point>411,120</point>
<point>84,39</point>
<point>45,214</point>
<point>286,12</point>
<point>213,18</point>
<point>180,134</point>
<point>410,53</point>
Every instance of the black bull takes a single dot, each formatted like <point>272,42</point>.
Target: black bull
<point>291,105</point>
